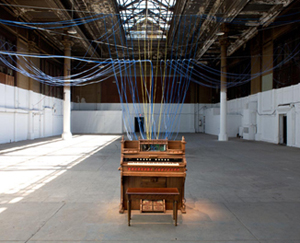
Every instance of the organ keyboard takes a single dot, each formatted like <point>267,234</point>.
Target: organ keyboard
<point>152,163</point>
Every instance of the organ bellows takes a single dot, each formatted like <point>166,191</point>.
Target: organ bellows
<point>152,163</point>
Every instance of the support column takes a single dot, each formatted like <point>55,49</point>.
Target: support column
<point>67,93</point>
<point>31,48</point>
<point>223,91</point>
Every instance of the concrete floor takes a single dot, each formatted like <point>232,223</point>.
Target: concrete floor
<point>237,191</point>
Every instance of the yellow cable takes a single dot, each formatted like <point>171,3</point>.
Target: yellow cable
<point>156,73</point>
<point>145,57</point>
<point>151,74</point>
<point>141,76</point>
<point>163,87</point>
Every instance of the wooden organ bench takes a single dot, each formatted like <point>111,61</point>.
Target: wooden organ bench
<point>153,194</point>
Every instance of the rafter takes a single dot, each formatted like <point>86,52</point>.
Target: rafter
<point>160,3</point>
<point>271,2</point>
<point>265,20</point>
<point>124,7</point>
<point>229,14</point>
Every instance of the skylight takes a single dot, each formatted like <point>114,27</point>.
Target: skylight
<point>148,19</point>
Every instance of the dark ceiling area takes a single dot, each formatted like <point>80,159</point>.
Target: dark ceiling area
<point>126,29</point>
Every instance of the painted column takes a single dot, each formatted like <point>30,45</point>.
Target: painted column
<point>223,91</point>
<point>67,93</point>
<point>30,136</point>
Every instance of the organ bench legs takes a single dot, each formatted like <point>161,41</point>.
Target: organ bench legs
<point>153,194</point>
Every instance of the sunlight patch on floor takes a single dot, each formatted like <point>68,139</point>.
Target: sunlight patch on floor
<point>25,169</point>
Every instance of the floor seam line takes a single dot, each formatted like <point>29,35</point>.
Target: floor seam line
<point>43,224</point>
<point>242,223</point>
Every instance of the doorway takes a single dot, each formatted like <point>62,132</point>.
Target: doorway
<point>139,124</point>
<point>283,129</point>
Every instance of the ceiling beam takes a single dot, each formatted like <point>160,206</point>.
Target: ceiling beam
<point>252,12</point>
<point>65,15</point>
<point>124,7</point>
<point>247,35</point>
<point>271,2</point>
<point>198,21</point>
<point>265,20</point>
<point>174,26</point>
<point>229,14</point>
<point>209,24</point>
<point>161,4</point>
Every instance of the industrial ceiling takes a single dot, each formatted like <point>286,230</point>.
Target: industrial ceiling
<point>158,19</point>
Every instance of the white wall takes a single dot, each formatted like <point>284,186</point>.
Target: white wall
<point>271,105</point>
<point>108,118</point>
<point>259,113</point>
<point>297,125</point>
<point>27,115</point>
<point>212,122</point>
<point>87,121</point>
<point>255,117</point>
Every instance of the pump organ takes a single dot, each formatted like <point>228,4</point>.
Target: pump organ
<point>152,164</point>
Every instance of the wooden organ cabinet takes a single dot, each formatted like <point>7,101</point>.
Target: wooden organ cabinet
<point>157,163</point>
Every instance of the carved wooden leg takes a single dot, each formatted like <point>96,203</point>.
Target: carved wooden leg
<point>129,211</point>
<point>173,209</point>
<point>183,207</point>
<point>175,213</point>
<point>121,207</point>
